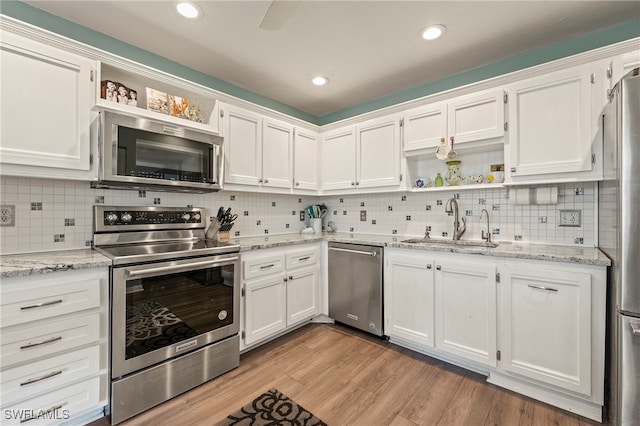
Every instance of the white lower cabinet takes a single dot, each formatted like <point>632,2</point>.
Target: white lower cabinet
<point>465,295</point>
<point>409,297</point>
<point>54,347</point>
<point>546,326</point>
<point>534,327</point>
<point>281,289</point>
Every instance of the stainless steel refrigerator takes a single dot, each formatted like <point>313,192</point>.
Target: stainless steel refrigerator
<point>619,238</point>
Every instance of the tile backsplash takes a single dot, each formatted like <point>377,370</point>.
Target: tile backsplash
<point>57,214</point>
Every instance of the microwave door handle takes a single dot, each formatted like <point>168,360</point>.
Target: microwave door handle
<point>150,272</point>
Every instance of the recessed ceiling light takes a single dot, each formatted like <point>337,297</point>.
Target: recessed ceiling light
<point>188,9</point>
<point>319,80</point>
<point>433,32</point>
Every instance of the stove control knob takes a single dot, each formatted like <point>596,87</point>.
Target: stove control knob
<point>126,217</point>
<point>111,217</point>
<point>196,216</point>
<point>186,216</point>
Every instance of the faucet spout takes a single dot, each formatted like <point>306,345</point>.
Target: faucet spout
<point>452,207</point>
<point>486,235</point>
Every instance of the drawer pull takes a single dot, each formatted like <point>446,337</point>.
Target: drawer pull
<point>302,259</point>
<point>541,287</point>
<point>38,379</point>
<point>267,266</point>
<point>40,305</point>
<point>44,342</point>
<point>43,413</point>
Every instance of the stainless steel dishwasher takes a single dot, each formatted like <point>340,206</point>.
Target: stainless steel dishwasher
<point>355,286</point>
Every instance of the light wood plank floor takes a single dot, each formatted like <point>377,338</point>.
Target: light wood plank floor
<point>349,378</point>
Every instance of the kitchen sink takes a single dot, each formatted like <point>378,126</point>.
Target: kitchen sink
<point>456,243</point>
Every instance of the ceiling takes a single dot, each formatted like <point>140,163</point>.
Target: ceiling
<point>367,49</point>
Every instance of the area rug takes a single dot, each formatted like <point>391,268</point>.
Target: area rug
<point>272,408</point>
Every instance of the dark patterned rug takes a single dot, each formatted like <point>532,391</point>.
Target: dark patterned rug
<point>272,408</point>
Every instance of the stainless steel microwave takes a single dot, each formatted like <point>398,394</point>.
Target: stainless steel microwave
<point>140,153</point>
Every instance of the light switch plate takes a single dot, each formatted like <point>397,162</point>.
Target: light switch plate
<point>570,218</point>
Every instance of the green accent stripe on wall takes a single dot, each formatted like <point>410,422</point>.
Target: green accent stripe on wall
<point>583,43</point>
<point>42,19</point>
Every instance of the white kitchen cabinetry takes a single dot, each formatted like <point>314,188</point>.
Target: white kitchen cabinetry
<point>472,120</point>
<point>552,333</point>
<point>280,290</point>
<point>258,150</point>
<point>54,345</point>
<point>466,308</point>
<point>409,297</point>
<point>546,326</point>
<point>362,156</point>
<point>305,159</point>
<point>551,126</point>
<point>46,118</point>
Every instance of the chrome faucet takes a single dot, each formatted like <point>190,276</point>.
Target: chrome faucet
<point>486,235</point>
<point>452,207</point>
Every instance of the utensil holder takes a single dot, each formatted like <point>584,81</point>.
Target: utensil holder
<point>316,224</point>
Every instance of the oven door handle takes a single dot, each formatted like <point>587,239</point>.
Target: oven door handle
<point>149,272</point>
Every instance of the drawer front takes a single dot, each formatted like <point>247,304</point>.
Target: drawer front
<point>35,302</point>
<point>263,266</point>
<point>304,257</point>
<point>42,376</point>
<point>20,344</point>
<point>56,407</point>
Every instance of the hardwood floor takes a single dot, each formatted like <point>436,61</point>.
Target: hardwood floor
<point>349,378</point>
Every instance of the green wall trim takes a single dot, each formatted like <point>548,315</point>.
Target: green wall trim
<point>583,43</point>
<point>579,44</point>
<point>55,24</point>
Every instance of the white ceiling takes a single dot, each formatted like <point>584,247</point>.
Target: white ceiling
<point>368,49</point>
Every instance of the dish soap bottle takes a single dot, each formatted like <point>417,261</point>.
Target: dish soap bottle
<point>438,180</point>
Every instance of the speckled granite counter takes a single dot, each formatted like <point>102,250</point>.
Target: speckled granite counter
<point>565,254</point>
<point>17,265</point>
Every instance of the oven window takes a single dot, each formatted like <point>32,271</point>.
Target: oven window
<point>167,309</point>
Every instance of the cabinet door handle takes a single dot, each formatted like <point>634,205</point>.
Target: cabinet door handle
<point>513,170</point>
<point>290,277</point>
<point>429,266</point>
<point>38,379</point>
<point>267,266</point>
<point>266,181</point>
<point>541,287</point>
<point>40,305</point>
<point>353,184</point>
<point>44,342</point>
<point>285,279</point>
<point>297,183</point>
<point>259,180</point>
<point>438,267</point>
<point>43,413</point>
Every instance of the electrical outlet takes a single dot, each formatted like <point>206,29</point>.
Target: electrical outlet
<point>363,215</point>
<point>7,215</point>
<point>570,218</point>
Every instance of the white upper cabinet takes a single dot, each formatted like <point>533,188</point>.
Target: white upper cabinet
<point>47,95</point>
<point>551,124</point>
<point>258,149</point>
<point>362,156</point>
<point>305,159</point>
<point>470,118</point>
<point>242,131</point>
<point>339,159</point>
<point>277,154</point>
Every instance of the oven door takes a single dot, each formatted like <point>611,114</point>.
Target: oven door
<point>167,309</point>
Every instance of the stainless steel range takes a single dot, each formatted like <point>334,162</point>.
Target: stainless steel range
<point>175,304</point>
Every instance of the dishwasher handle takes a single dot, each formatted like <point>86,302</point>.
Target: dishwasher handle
<point>362,252</point>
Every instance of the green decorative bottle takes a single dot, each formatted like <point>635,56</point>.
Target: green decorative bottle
<point>438,180</point>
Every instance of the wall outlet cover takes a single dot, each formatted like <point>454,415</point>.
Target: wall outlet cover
<point>7,215</point>
<point>570,218</point>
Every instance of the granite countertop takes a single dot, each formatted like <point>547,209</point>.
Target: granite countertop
<point>565,254</point>
<point>16,265</point>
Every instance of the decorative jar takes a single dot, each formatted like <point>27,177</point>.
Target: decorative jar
<point>453,176</point>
